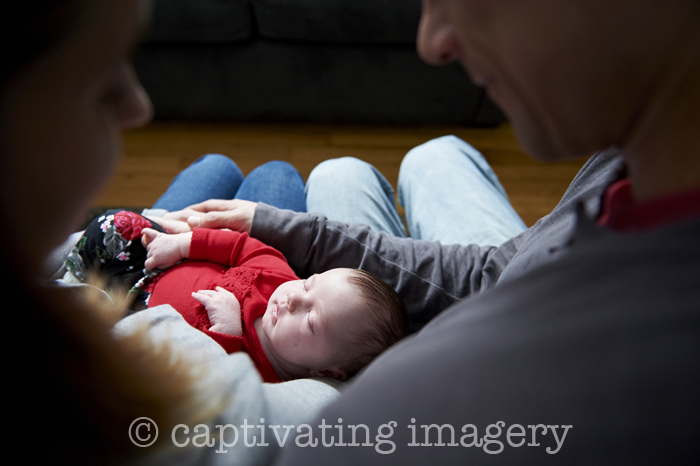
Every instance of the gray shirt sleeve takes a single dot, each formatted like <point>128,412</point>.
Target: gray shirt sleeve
<point>428,276</point>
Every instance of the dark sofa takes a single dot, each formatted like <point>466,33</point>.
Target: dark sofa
<point>347,61</point>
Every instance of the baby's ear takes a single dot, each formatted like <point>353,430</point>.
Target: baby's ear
<point>339,374</point>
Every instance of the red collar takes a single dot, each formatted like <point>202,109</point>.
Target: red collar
<point>621,213</point>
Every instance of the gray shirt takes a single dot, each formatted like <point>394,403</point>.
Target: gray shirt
<point>569,344</point>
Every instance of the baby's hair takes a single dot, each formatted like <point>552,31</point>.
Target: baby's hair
<point>386,318</point>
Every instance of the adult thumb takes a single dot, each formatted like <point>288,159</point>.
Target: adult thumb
<point>210,220</point>
<point>194,221</point>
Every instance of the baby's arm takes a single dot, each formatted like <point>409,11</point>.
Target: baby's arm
<point>165,250</point>
<point>223,309</point>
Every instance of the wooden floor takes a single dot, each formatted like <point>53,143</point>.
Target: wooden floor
<point>155,154</point>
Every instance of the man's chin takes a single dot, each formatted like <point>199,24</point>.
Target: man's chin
<point>547,147</point>
<point>533,141</point>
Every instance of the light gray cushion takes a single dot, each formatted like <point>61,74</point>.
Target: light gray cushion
<point>354,21</point>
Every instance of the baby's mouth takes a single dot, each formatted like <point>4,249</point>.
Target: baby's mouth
<point>275,310</point>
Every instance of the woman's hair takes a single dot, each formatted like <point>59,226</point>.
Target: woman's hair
<point>84,387</point>
<point>32,28</point>
<point>386,321</point>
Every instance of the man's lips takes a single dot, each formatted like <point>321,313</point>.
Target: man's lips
<point>475,72</point>
<point>479,80</point>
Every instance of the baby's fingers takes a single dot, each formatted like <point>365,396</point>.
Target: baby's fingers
<point>224,291</point>
<point>203,296</point>
<point>148,235</point>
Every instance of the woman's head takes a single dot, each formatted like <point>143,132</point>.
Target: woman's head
<point>66,92</point>
<point>64,102</point>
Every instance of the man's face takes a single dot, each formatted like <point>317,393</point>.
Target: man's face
<point>559,69</point>
<point>307,321</point>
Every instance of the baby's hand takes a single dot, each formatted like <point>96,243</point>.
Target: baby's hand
<point>223,309</point>
<point>165,250</point>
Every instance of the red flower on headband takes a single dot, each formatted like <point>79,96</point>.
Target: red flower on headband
<point>130,224</point>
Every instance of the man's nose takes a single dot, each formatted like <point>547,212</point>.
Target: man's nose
<point>436,43</point>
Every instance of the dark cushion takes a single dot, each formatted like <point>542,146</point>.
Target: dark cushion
<point>267,81</point>
<point>200,21</point>
<point>352,21</point>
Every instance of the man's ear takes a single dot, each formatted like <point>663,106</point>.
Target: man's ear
<point>339,374</point>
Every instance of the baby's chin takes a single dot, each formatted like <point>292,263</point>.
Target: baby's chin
<point>267,317</point>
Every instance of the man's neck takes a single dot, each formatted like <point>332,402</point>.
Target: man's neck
<point>663,151</point>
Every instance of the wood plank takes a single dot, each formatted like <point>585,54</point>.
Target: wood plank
<point>154,155</point>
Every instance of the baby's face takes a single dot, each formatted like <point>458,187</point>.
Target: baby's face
<point>307,322</point>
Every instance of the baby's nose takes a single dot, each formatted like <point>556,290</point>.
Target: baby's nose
<point>294,302</point>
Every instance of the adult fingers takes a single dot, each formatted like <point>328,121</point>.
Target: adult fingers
<point>172,225</point>
<point>213,205</point>
<point>239,217</point>
<point>228,219</point>
<point>181,215</point>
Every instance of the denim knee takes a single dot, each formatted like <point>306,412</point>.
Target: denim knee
<point>439,153</point>
<point>277,168</point>
<point>340,166</point>
<point>353,191</point>
<point>211,176</point>
<point>429,154</point>
<point>344,169</point>
<point>216,161</point>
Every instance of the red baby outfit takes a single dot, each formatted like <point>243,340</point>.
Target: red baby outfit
<point>238,263</point>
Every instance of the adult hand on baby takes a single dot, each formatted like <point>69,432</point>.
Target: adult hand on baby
<point>223,309</point>
<point>235,214</point>
<point>170,225</point>
<point>165,250</point>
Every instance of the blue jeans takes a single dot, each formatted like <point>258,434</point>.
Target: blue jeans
<point>448,190</point>
<point>216,176</point>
